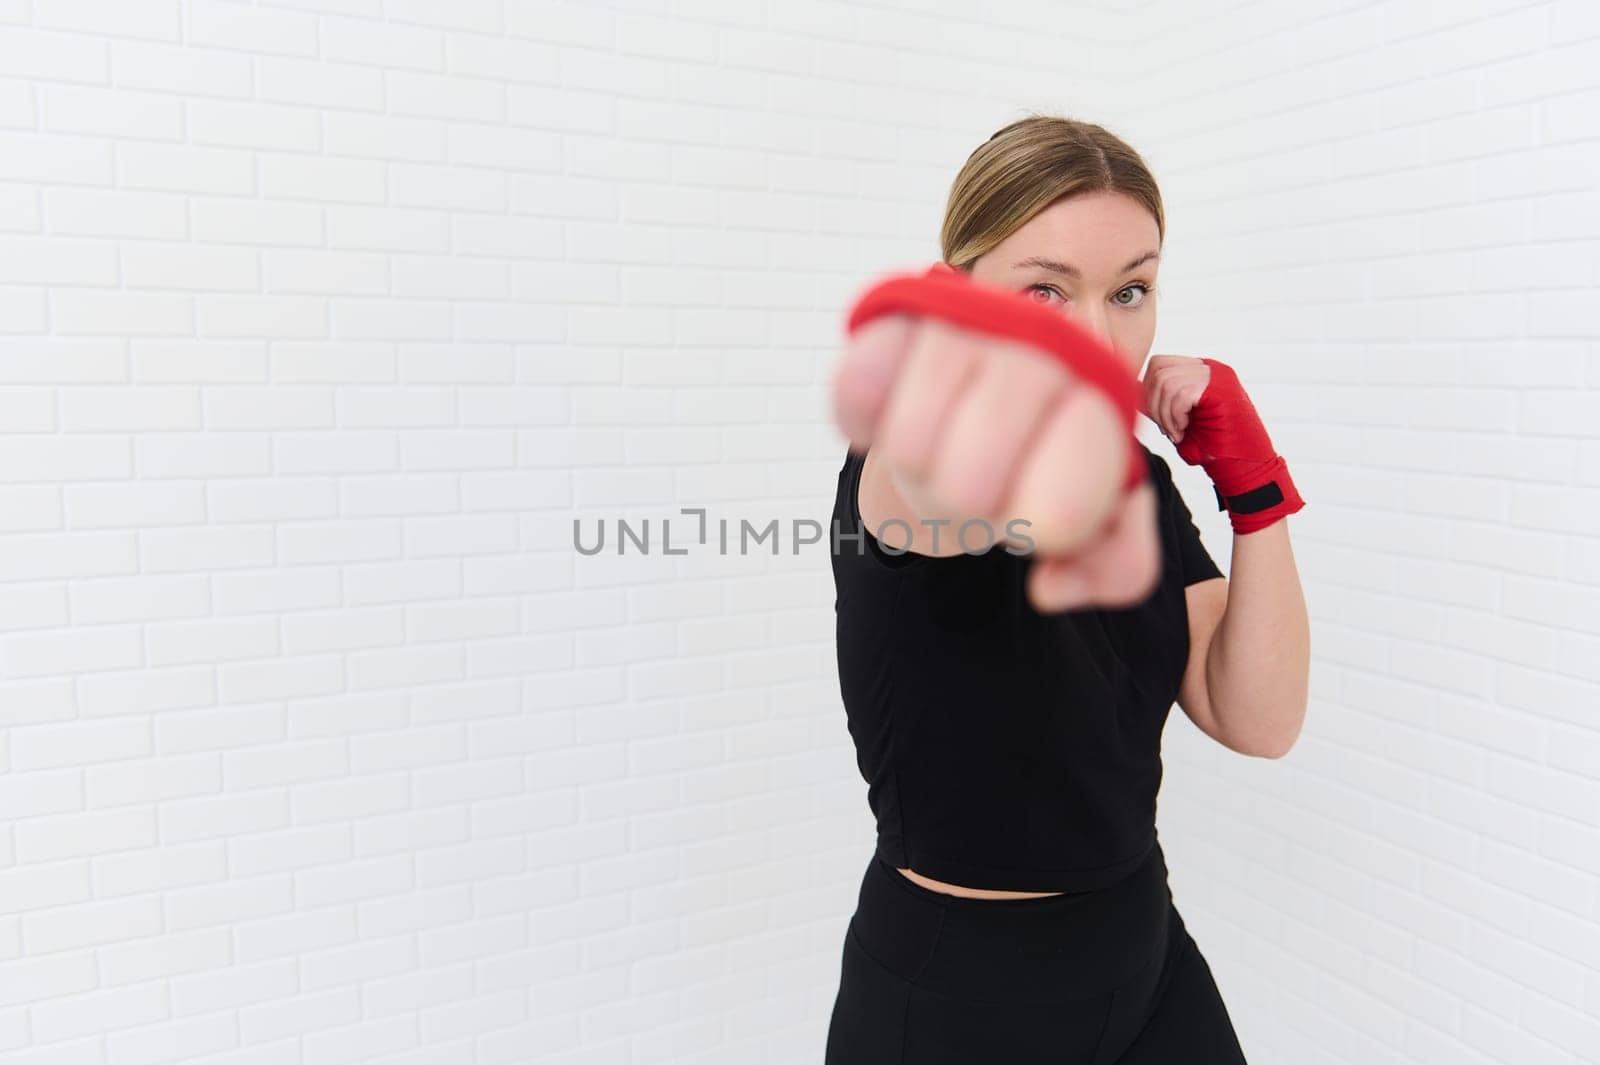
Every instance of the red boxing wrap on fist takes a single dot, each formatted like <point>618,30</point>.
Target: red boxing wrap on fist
<point>947,293</point>
<point>1225,436</point>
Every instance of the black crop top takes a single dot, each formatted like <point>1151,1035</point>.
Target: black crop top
<point>1004,748</point>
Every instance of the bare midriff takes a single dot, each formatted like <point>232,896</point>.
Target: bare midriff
<point>971,893</point>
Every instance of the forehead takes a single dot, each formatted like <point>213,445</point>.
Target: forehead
<point>1098,232</point>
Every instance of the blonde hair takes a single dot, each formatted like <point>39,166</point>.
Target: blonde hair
<point>1026,166</point>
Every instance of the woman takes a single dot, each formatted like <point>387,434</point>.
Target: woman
<point>1007,705</point>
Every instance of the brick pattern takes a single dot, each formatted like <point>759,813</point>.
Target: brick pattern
<point>321,319</point>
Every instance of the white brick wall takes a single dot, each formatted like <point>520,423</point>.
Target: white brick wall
<point>1383,215</point>
<point>321,319</point>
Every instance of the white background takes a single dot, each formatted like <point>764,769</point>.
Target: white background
<point>321,320</point>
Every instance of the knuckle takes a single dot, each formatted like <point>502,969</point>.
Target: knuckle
<point>889,331</point>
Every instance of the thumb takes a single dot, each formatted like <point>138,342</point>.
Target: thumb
<point>1144,397</point>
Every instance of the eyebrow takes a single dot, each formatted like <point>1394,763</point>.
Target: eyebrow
<point>1072,271</point>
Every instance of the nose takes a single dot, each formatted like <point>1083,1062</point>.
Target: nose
<point>1095,323</point>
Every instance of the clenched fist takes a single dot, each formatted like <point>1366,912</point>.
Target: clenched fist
<point>971,424</point>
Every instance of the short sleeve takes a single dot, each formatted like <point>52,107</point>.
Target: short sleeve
<point>1198,565</point>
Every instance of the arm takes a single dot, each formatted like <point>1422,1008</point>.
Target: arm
<point>1248,678</point>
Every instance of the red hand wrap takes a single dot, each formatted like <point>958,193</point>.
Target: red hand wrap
<point>947,293</point>
<point>1225,436</point>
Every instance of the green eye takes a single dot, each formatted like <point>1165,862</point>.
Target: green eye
<point>1144,291</point>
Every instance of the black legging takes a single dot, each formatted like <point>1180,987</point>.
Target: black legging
<point>1087,978</point>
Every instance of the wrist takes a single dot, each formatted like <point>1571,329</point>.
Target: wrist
<point>1257,500</point>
